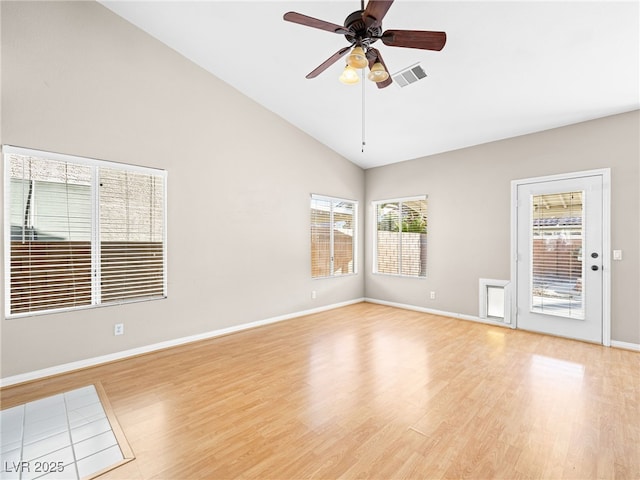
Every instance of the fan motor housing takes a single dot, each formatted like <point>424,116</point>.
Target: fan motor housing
<point>358,31</point>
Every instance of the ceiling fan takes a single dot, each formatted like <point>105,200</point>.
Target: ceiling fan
<point>361,29</point>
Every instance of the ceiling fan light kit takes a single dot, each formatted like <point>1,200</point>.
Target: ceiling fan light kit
<point>378,73</point>
<point>349,76</point>
<point>357,58</point>
<point>361,29</point>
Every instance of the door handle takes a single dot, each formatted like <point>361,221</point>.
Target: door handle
<point>594,267</point>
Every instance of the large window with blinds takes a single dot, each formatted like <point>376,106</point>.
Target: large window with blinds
<point>333,231</point>
<point>400,242</point>
<point>557,245</point>
<point>81,232</point>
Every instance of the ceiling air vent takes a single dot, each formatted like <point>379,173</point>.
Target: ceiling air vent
<point>409,75</point>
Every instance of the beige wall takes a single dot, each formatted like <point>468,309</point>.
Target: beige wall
<point>469,198</point>
<point>78,79</point>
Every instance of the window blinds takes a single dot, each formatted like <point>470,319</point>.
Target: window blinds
<point>401,237</point>
<point>332,236</point>
<point>50,228</point>
<point>320,237</point>
<point>557,248</point>
<point>131,235</point>
<point>82,232</point>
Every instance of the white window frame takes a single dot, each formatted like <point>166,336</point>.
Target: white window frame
<point>8,150</point>
<point>375,204</point>
<point>331,233</point>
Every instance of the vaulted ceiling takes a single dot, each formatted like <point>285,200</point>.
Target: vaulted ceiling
<point>508,68</point>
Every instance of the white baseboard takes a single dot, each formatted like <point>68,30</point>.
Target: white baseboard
<point>460,316</point>
<point>614,343</point>
<point>626,345</point>
<point>91,362</point>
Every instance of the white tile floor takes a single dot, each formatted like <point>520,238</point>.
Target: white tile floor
<point>66,436</point>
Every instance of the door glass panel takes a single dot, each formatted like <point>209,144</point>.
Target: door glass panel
<point>557,253</point>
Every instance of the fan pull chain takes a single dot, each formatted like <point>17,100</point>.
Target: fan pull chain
<point>363,82</point>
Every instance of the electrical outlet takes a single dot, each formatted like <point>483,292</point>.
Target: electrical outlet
<point>118,329</point>
<point>313,294</point>
<point>617,254</point>
<point>432,295</point>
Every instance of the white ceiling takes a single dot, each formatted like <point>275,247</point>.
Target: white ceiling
<point>508,68</point>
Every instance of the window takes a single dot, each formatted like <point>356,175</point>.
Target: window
<point>81,232</point>
<point>401,237</point>
<point>333,227</point>
<point>557,245</point>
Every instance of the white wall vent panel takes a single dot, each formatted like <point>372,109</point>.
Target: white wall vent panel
<point>409,75</point>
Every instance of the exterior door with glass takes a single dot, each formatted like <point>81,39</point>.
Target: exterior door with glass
<point>560,257</point>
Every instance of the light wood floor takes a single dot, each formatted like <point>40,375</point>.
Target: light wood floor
<point>369,391</point>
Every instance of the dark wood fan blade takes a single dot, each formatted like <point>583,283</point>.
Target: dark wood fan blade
<point>375,12</point>
<point>314,22</point>
<point>373,55</point>
<point>328,62</point>
<point>415,39</point>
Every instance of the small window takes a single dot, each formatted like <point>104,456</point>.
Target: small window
<point>401,237</point>
<point>81,232</point>
<point>333,230</point>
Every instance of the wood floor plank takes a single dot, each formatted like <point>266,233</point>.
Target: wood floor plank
<point>370,391</point>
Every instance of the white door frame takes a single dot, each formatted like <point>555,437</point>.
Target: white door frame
<point>605,173</point>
